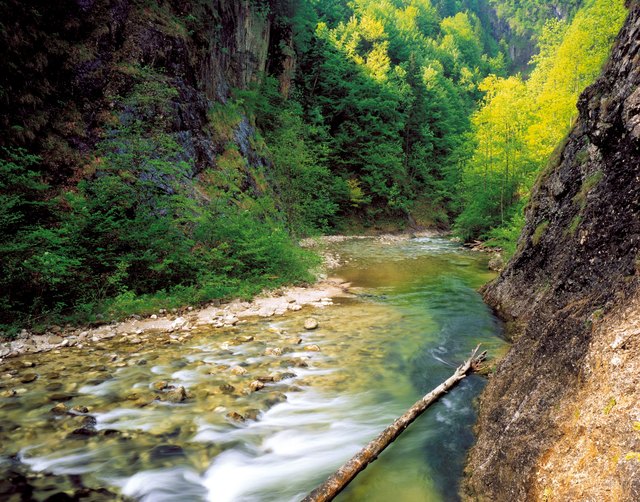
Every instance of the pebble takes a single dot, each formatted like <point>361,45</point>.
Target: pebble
<point>256,385</point>
<point>234,415</point>
<point>277,377</point>
<point>238,370</point>
<point>59,409</point>
<point>273,351</point>
<point>312,348</point>
<point>310,323</point>
<point>160,385</point>
<point>177,395</point>
<point>28,377</point>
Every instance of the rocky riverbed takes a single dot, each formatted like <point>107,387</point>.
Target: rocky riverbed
<point>225,404</point>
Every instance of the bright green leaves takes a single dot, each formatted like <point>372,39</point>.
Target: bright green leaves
<point>520,122</point>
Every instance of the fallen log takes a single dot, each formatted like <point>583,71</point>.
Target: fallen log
<point>343,476</point>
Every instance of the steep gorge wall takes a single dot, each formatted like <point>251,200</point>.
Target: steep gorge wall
<point>68,65</point>
<point>560,418</point>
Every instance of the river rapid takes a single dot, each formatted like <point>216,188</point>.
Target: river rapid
<point>189,420</point>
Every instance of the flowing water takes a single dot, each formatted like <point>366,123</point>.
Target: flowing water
<point>128,428</point>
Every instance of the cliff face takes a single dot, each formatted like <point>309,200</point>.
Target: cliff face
<point>559,420</point>
<point>69,66</point>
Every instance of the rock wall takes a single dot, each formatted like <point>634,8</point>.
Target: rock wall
<point>571,291</point>
<point>67,63</point>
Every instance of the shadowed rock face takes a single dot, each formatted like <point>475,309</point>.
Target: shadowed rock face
<point>577,260</point>
<point>67,63</point>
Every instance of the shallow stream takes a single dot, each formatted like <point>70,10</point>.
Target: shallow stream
<point>121,424</point>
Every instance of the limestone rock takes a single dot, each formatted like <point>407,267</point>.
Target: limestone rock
<point>310,323</point>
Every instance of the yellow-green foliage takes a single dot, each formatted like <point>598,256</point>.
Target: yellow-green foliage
<point>587,185</point>
<point>632,455</point>
<point>520,122</point>
<point>636,426</point>
<point>610,404</point>
<point>539,232</point>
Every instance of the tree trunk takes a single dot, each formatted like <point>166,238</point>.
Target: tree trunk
<point>343,476</point>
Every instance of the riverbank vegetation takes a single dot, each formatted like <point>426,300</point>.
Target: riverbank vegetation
<point>406,112</point>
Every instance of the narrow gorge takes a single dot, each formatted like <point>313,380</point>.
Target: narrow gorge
<point>181,180</point>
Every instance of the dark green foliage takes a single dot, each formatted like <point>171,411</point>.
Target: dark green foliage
<point>132,229</point>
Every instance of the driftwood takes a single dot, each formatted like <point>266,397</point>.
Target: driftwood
<point>343,476</point>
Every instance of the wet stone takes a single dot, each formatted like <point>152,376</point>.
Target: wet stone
<point>283,376</point>
<point>256,385</point>
<point>276,398</point>
<point>89,422</point>
<point>252,414</point>
<point>53,386</point>
<point>235,416</point>
<point>59,409</point>
<point>59,396</point>
<point>227,388</point>
<point>161,385</point>
<point>28,377</point>
<point>177,395</point>
<point>310,323</point>
<point>82,433</point>
<point>164,451</point>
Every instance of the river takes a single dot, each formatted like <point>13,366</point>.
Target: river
<point>120,423</point>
